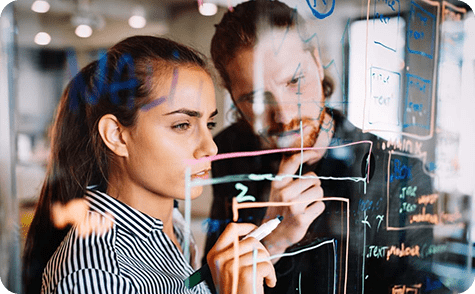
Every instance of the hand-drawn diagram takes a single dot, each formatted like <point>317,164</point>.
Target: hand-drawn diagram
<point>382,221</point>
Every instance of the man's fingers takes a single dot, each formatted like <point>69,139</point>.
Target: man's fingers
<point>298,186</point>
<point>311,212</point>
<point>316,208</point>
<point>305,199</point>
<point>290,165</point>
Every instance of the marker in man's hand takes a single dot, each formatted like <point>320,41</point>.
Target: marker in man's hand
<point>259,233</point>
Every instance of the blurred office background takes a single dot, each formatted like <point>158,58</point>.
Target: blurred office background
<point>44,43</point>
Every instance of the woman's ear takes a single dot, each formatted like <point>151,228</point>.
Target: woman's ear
<point>111,130</point>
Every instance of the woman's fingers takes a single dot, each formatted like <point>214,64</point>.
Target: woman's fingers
<point>229,234</point>
<point>228,262</point>
<point>224,249</point>
<point>264,268</point>
<point>245,274</point>
<point>217,256</point>
<point>244,247</point>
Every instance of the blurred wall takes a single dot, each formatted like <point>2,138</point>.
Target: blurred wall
<point>9,249</point>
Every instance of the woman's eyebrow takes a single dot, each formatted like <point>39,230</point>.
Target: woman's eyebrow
<point>186,111</point>
<point>191,112</point>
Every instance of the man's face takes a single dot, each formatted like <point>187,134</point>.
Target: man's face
<point>277,87</point>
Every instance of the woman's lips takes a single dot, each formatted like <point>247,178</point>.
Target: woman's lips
<point>202,175</point>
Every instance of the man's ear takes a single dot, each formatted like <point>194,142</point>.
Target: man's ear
<point>316,57</point>
<point>111,130</point>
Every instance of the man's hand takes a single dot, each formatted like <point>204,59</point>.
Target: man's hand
<point>305,193</point>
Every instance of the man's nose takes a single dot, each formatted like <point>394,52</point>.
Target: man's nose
<point>283,110</point>
<point>284,114</point>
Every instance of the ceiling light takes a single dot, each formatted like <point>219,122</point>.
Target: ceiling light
<point>137,21</point>
<point>208,9</point>
<point>85,20</point>
<point>42,38</point>
<point>83,31</point>
<point>40,6</point>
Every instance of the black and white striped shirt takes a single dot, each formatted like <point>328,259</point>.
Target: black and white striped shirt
<point>134,256</point>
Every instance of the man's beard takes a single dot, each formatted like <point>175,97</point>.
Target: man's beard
<point>290,135</point>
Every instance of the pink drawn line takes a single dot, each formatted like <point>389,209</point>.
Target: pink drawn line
<point>271,151</point>
<point>263,152</point>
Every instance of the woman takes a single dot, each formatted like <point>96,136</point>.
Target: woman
<point>125,127</point>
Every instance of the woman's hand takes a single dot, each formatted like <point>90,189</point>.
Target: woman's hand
<point>305,193</point>
<point>224,268</point>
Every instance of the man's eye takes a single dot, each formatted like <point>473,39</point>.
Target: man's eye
<point>295,81</point>
<point>182,126</point>
<point>211,125</point>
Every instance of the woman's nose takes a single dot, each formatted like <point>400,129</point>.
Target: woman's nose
<point>207,146</point>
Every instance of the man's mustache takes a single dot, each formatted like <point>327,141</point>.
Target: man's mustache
<point>289,135</point>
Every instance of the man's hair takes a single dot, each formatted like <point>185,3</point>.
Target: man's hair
<point>239,27</point>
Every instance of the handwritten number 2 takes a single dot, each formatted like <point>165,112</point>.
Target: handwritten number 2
<point>242,196</point>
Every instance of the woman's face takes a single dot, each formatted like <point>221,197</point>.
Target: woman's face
<point>171,130</point>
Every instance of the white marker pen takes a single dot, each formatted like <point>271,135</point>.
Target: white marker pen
<point>265,229</point>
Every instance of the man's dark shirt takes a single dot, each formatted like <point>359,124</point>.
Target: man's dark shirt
<point>317,264</point>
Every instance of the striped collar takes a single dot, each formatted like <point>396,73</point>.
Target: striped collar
<point>125,216</point>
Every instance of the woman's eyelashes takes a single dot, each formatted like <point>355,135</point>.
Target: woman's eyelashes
<point>187,125</point>
<point>181,126</point>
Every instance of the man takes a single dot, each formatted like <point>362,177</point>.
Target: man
<point>277,83</point>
